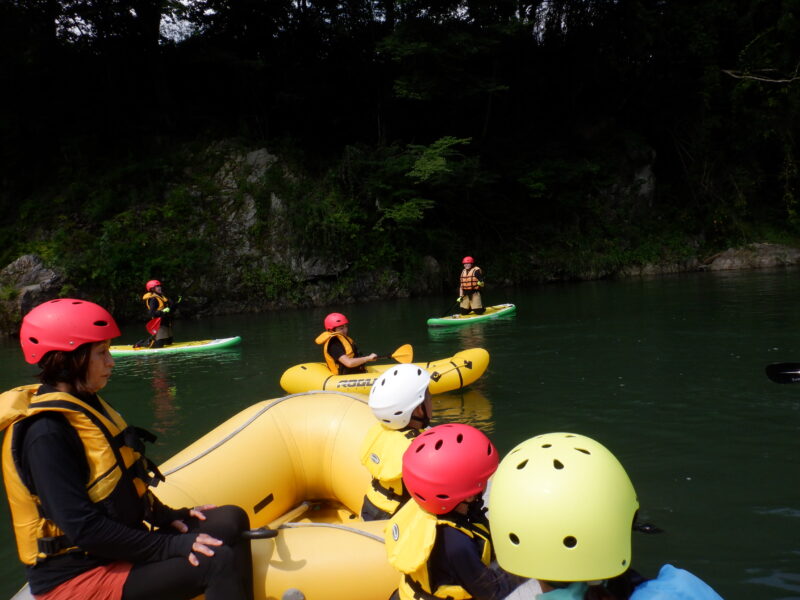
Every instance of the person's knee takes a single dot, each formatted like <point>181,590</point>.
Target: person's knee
<point>225,523</point>
<point>223,561</point>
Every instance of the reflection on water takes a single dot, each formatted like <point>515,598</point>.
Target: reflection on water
<point>164,394</point>
<point>468,336</point>
<point>470,407</point>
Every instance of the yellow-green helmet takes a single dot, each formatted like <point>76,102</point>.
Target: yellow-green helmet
<point>561,508</point>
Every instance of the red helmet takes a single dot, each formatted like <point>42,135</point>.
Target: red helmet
<point>64,324</point>
<point>447,464</point>
<point>151,284</point>
<point>467,259</point>
<point>333,320</point>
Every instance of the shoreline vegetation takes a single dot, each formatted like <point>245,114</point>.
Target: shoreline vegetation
<point>315,153</point>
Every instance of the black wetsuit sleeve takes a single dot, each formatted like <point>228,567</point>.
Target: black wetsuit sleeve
<point>53,458</point>
<point>335,349</point>
<point>455,559</point>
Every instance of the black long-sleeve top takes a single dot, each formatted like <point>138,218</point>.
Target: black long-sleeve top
<point>53,461</point>
<point>456,559</point>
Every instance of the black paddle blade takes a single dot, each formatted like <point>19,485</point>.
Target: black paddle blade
<point>784,372</point>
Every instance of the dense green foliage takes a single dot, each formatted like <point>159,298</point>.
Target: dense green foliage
<point>511,130</point>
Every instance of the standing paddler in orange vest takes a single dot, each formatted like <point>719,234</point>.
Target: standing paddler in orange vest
<point>339,350</point>
<point>469,286</point>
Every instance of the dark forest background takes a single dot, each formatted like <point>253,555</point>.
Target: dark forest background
<point>511,130</point>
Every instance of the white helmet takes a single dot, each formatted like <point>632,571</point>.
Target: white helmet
<point>396,394</point>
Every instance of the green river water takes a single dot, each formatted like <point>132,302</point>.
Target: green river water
<point>668,373</point>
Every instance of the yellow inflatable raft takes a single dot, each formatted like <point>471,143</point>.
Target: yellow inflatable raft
<point>293,464</point>
<point>447,374</point>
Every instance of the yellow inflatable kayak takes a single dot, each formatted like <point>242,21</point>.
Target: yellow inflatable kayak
<point>293,464</point>
<point>447,374</point>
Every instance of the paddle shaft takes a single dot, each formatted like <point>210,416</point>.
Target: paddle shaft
<point>788,372</point>
<point>450,308</point>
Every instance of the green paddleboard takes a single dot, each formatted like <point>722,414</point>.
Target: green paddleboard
<point>196,346</point>
<point>492,312</point>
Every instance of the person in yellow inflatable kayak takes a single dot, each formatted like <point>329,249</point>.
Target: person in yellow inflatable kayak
<point>401,402</point>
<point>78,482</point>
<point>339,350</point>
<point>562,509</point>
<point>440,542</point>
<point>470,283</point>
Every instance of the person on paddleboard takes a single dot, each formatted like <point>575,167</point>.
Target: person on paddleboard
<point>159,307</point>
<point>439,541</point>
<point>401,402</point>
<point>470,284</point>
<point>339,350</point>
<point>86,522</point>
<point>561,509</point>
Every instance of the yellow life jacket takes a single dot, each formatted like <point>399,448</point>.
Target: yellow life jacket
<point>410,536</point>
<point>349,349</point>
<point>109,454</point>
<point>163,301</point>
<point>382,454</point>
<point>469,281</point>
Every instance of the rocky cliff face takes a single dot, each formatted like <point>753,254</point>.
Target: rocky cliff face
<point>25,283</point>
<point>259,261</point>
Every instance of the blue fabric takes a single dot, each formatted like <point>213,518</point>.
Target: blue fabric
<point>674,584</point>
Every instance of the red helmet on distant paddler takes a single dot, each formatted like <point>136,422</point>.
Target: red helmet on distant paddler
<point>64,324</point>
<point>151,284</point>
<point>467,259</point>
<point>334,320</point>
<point>447,464</point>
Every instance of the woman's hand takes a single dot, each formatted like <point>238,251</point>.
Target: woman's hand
<point>201,546</point>
<point>196,512</point>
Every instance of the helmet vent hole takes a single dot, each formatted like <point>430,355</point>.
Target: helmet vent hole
<point>398,412</point>
<point>558,464</point>
<point>547,445</point>
<point>624,562</point>
<point>459,438</point>
<point>438,444</point>
<point>420,447</point>
<point>513,539</point>
<point>523,464</point>
<point>33,340</point>
<point>584,450</point>
<point>570,541</point>
<point>420,496</point>
<point>442,496</point>
<point>101,323</point>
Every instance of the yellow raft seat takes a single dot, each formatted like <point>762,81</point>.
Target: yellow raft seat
<point>448,374</point>
<point>293,464</point>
